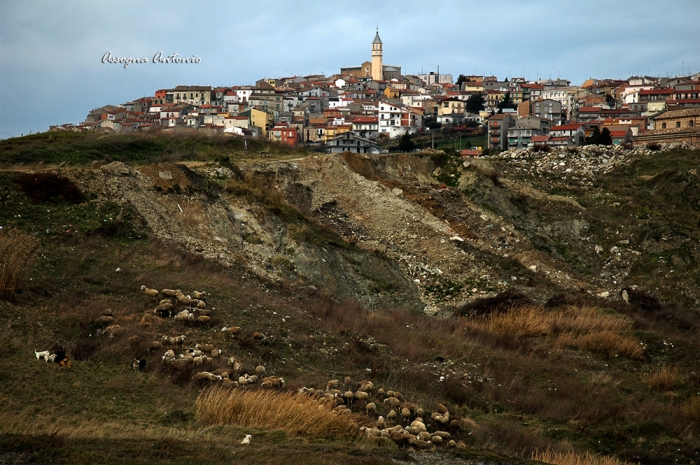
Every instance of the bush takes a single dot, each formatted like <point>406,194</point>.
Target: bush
<point>542,148</point>
<point>653,146</point>
<point>16,251</point>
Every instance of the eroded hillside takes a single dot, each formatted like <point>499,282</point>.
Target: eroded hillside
<point>384,231</point>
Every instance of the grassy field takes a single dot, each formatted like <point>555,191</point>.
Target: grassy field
<point>581,379</point>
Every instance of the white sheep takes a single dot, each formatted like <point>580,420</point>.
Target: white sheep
<point>169,356</point>
<point>371,408</point>
<point>152,293</point>
<point>169,292</point>
<point>184,316</point>
<point>270,382</point>
<point>113,331</point>
<point>205,375</point>
<point>198,295</point>
<point>205,347</point>
<point>232,330</point>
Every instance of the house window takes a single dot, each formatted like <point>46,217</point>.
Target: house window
<point>663,125</point>
<point>691,123</point>
<point>678,124</point>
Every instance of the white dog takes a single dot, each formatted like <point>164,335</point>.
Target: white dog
<point>42,355</point>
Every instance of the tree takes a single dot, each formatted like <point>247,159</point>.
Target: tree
<point>507,102</point>
<point>475,103</point>
<point>406,144</point>
<point>599,137</point>
<point>461,79</point>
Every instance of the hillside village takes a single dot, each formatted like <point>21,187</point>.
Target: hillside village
<point>362,106</point>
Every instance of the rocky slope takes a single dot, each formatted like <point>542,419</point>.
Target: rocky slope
<point>384,231</point>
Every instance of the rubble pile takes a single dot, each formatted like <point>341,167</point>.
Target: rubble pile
<point>585,162</point>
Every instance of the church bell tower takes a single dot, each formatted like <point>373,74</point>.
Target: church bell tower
<point>377,67</point>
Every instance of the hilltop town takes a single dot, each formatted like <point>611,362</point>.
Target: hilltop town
<point>362,106</point>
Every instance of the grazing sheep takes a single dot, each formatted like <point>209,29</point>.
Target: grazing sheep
<point>233,330</point>
<point>182,364</point>
<point>223,372</point>
<point>391,415</point>
<point>169,292</point>
<point>198,295</point>
<point>381,424</point>
<point>104,320</point>
<point>270,382</point>
<point>243,380</point>
<point>113,331</point>
<point>332,384</point>
<point>201,304</point>
<point>420,412</point>
<point>441,409</point>
<point>451,444</point>
<point>152,293</point>
<point>184,316</point>
<point>361,395</point>
<point>204,319</point>
<point>138,364</point>
<point>258,336</point>
<point>252,379</point>
<point>169,356</point>
<point>133,340</point>
<point>164,310</point>
<point>380,392</point>
<point>259,370</point>
<point>205,347</point>
<point>215,353</point>
<point>406,413</point>
<point>437,440</point>
<point>165,301</point>
<point>206,376</point>
<point>392,401</point>
<point>365,386</point>
<point>227,383</point>
<point>371,408</point>
<point>348,382</point>
<point>154,346</point>
<point>42,355</point>
<point>246,439</point>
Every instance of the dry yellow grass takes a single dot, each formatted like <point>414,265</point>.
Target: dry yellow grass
<point>16,250</point>
<point>584,328</point>
<point>572,458</point>
<point>692,408</point>
<point>298,414</point>
<point>664,378</point>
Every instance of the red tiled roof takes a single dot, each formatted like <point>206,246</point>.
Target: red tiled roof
<point>539,138</point>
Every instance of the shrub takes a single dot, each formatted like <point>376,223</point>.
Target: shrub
<point>573,458</point>
<point>298,414</point>
<point>16,251</point>
<point>653,146</point>
<point>542,148</point>
<point>49,187</point>
<point>664,378</point>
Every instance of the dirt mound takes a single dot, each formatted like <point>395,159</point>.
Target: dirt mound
<point>501,303</point>
<point>167,175</point>
<point>49,187</point>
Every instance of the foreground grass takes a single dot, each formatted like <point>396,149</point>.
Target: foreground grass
<point>298,414</point>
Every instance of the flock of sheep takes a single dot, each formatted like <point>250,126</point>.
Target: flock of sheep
<point>400,421</point>
<point>193,309</point>
<point>403,422</point>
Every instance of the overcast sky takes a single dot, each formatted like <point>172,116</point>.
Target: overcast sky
<point>51,51</point>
